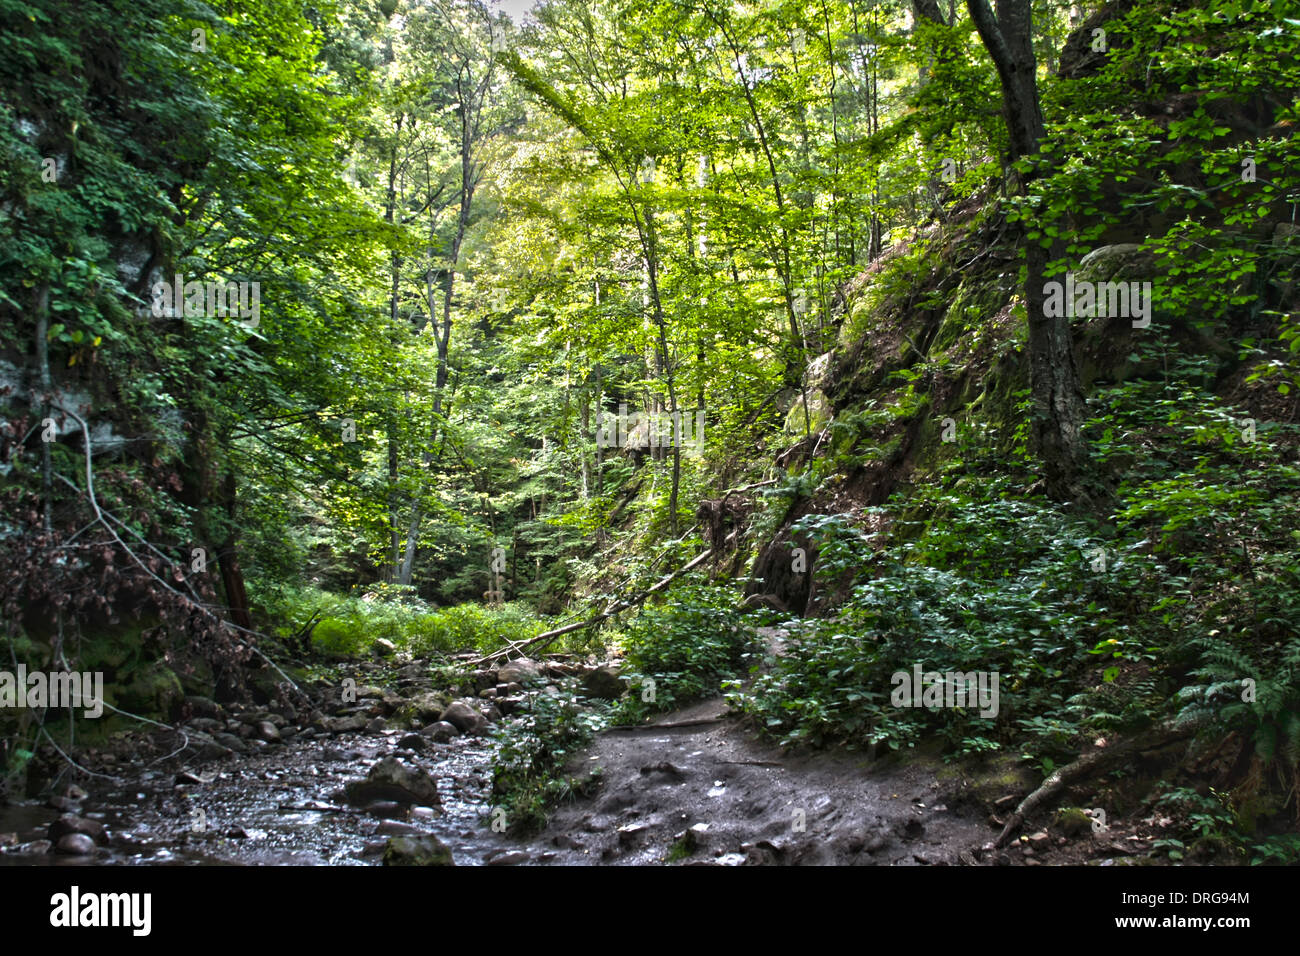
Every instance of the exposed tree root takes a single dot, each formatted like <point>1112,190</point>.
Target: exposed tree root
<point>1099,761</point>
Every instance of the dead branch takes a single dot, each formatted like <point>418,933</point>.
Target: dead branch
<point>1096,762</point>
<point>546,637</point>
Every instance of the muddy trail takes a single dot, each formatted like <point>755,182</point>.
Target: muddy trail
<point>697,787</point>
<point>383,769</point>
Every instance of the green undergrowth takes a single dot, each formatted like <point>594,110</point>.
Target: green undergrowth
<point>348,626</point>
<point>684,649</point>
<point>529,773</point>
<point>1180,606</point>
<point>675,652</point>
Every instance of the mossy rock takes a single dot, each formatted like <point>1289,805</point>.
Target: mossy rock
<point>1072,821</point>
<point>819,413</point>
<point>154,691</point>
<point>423,850</point>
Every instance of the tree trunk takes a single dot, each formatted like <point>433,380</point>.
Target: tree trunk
<point>1058,412</point>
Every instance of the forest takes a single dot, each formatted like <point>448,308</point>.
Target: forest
<point>644,432</point>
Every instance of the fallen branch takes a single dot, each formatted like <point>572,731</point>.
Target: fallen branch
<point>1096,762</point>
<point>546,637</point>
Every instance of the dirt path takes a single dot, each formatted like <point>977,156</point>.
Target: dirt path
<point>698,788</point>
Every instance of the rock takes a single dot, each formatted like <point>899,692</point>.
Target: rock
<point>490,712</point>
<point>489,694</point>
<point>155,690</point>
<point>8,839</point>
<point>1073,821</point>
<point>522,671</point>
<point>68,824</point>
<point>427,707</point>
<point>398,828</point>
<point>205,749</point>
<point>426,850</point>
<point>1039,839</point>
<point>1122,261</point>
<point>441,732</point>
<point>203,707</point>
<point>388,810</point>
<point>266,730</point>
<point>604,683</point>
<point>375,725</point>
<point>346,725</point>
<point>416,742</point>
<point>383,648</point>
<point>231,742</point>
<point>506,858</point>
<point>464,718</point>
<point>207,725</point>
<point>391,780</point>
<point>61,803</point>
<point>412,672</point>
<point>75,844</point>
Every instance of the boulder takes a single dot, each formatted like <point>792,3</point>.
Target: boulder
<point>203,707</point>
<point>70,823</point>
<point>1122,261</point>
<point>427,707</point>
<point>464,718</point>
<point>231,742</point>
<point>604,682</point>
<point>414,742</point>
<point>426,850</point>
<point>383,648</point>
<point>441,732</point>
<point>522,671</point>
<point>345,725</point>
<point>391,780</point>
<point>75,844</point>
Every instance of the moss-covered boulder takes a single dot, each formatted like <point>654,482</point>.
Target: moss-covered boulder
<point>154,690</point>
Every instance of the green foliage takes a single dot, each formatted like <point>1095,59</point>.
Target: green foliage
<point>681,650</point>
<point>349,626</point>
<point>529,774</point>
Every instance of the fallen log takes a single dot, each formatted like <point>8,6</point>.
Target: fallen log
<point>546,637</point>
<point>1098,761</point>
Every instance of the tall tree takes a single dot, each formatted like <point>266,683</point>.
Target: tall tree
<point>1058,414</point>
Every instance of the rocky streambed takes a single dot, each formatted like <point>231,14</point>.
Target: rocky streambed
<point>385,768</point>
<point>355,774</point>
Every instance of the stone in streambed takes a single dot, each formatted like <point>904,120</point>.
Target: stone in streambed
<point>71,824</point>
<point>522,671</point>
<point>604,682</point>
<point>441,732</point>
<point>391,780</point>
<point>425,850</point>
<point>75,844</point>
<point>464,718</point>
